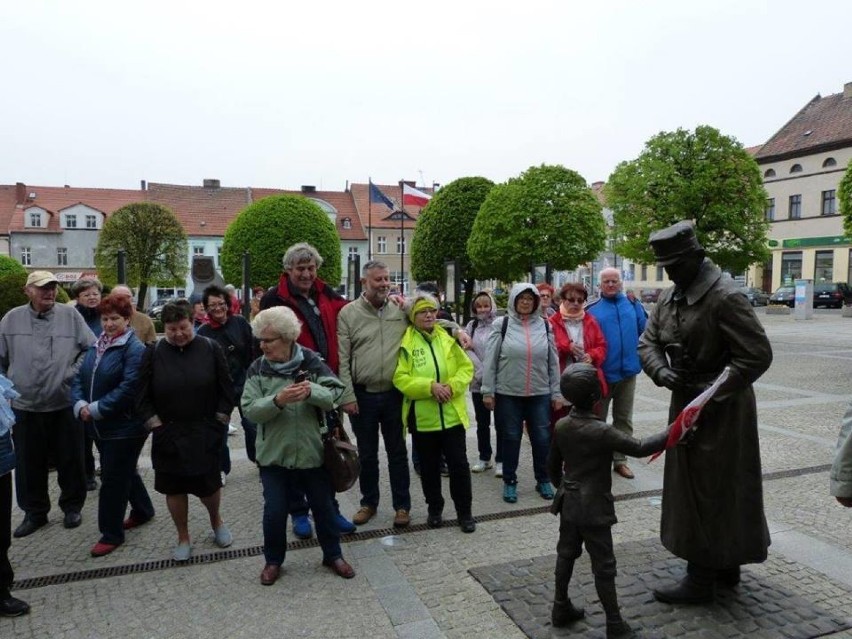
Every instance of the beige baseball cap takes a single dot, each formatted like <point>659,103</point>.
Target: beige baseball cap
<point>41,278</point>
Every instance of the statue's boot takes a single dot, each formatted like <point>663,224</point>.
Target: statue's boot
<point>728,577</point>
<point>564,611</point>
<point>697,587</point>
<point>616,627</point>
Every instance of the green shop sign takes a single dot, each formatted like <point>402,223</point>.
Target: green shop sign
<point>800,242</point>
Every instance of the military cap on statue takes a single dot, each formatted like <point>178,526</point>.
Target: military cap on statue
<point>673,242</point>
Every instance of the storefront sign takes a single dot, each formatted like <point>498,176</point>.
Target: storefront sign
<point>831,240</point>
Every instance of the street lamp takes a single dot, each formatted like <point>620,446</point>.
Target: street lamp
<point>451,284</point>
<point>353,276</point>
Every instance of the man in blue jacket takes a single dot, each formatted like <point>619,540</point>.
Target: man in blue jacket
<point>622,322</point>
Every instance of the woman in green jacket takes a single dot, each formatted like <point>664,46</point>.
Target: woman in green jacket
<point>433,373</point>
<point>287,392</point>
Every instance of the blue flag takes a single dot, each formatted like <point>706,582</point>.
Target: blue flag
<point>377,197</point>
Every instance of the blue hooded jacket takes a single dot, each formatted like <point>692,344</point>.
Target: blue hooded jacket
<point>622,322</point>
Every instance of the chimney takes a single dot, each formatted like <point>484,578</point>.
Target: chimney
<point>411,183</point>
<point>847,90</point>
<point>211,184</point>
<point>309,188</point>
<point>20,193</point>
<point>143,185</point>
<point>249,197</point>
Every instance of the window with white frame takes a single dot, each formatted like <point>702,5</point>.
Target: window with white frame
<point>353,250</point>
<point>829,202</point>
<point>71,221</point>
<point>35,219</point>
<point>62,256</point>
<point>381,244</point>
<point>26,256</point>
<point>91,221</point>
<point>400,244</point>
<point>197,250</point>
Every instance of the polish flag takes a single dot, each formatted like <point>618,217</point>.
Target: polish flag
<point>413,197</point>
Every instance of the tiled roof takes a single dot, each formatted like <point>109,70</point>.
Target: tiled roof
<point>56,198</point>
<point>822,124</point>
<point>340,200</point>
<point>7,206</point>
<point>201,210</point>
<point>380,212</point>
<point>752,150</point>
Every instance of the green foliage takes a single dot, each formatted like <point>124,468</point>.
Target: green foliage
<point>546,215</point>
<point>703,176</point>
<point>154,243</point>
<point>444,226</point>
<point>268,227</point>
<point>844,200</point>
<point>12,290</point>
<point>62,296</point>
<point>10,265</point>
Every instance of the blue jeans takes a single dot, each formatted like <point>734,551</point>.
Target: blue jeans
<point>381,412</point>
<point>510,413</point>
<point>120,484</point>
<point>278,485</point>
<point>483,431</point>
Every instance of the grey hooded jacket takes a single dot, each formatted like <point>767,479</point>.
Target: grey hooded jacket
<point>524,363</point>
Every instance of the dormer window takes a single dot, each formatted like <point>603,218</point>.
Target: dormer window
<point>35,219</point>
<point>70,221</point>
<point>769,173</point>
<point>796,168</point>
<point>347,223</point>
<point>829,162</point>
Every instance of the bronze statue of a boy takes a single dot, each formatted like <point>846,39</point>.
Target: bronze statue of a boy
<point>583,445</point>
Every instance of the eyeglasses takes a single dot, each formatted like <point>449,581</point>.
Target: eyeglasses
<point>574,300</point>
<point>268,340</point>
<point>217,305</point>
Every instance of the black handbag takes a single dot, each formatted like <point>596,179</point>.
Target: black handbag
<point>340,455</point>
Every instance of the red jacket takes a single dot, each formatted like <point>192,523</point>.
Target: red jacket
<point>329,304</point>
<point>594,344</point>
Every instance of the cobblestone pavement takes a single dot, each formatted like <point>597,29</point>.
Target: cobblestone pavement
<point>418,584</point>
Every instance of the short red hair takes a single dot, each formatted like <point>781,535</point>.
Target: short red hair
<point>544,286</point>
<point>113,303</point>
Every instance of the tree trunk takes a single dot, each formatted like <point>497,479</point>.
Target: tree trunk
<point>141,295</point>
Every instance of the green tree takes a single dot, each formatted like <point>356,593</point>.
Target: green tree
<point>154,243</point>
<point>442,231</point>
<point>546,215</point>
<point>10,265</point>
<point>12,289</point>
<point>268,227</point>
<point>703,176</point>
<point>844,199</point>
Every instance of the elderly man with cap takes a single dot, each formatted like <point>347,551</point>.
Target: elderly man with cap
<point>40,347</point>
<point>712,492</point>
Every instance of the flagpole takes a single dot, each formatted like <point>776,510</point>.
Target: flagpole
<point>370,219</point>
<point>402,234</point>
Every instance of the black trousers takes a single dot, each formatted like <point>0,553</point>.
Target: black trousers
<point>37,437</point>
<point>452,444</point>
<point>6,574</point>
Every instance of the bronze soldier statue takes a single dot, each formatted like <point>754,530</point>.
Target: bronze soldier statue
<point>583,445</point>
<point>712,492</point>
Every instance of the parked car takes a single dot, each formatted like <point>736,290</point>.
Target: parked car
<point>755,296</point>
<point>650,295</point>
<point>785,295</point>
<point>833,295</point>
<point>156,308</point>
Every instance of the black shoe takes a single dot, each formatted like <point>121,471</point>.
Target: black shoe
<point>29,526</point>
<point>618,630</point>
<point>434,521</point>
<point>564,613</point>
<point>72,519</point>
<point>687,591</point>
<point>467,524</point>
<point>11,607</point>
<point>728,577</point>
<point>91,484</point>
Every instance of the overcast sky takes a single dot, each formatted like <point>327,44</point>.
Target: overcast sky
<point>281,94</point>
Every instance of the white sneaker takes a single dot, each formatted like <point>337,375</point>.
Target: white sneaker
<point>232,430</point>
<point>481,466</point>
<point>498,469</point>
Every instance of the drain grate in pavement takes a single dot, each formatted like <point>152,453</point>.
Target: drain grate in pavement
<point>255,551</point>
<point>760,606</point>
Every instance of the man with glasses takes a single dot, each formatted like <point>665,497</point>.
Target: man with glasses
<point>40,347</point>
<point>622,322</point>
<point>317,306</point>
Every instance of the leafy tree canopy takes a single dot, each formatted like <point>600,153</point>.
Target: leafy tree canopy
<point>703,176</point>
<point>546,215</point>
<point>844,199</point>
<point>268,227</point>
<point>10,265</point>
<point>444,226</point>
<point>154,243</point>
